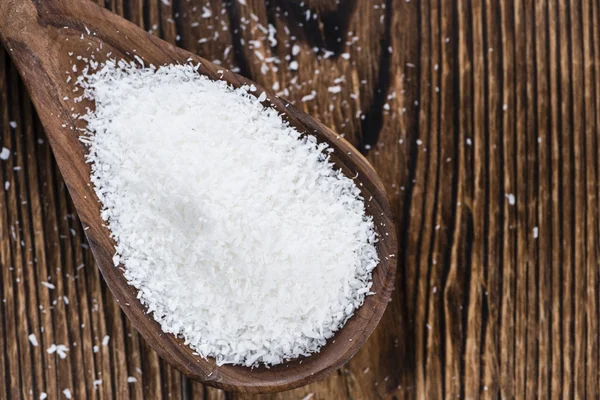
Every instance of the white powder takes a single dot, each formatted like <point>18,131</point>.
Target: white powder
<point>237,231</point>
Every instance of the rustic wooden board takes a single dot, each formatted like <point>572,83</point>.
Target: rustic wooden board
<point>482,119</point>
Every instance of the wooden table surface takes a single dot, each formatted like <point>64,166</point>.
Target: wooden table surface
<point>481,117</point>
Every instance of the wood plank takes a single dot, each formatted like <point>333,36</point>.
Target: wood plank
<point>544,225</point>
<point>6,258</point>
<point>490,117</point>
<point>508,335</point>
<point>557,303</point>
<point>567,189</point>
<point>579,183</point>
<point>31,208</point>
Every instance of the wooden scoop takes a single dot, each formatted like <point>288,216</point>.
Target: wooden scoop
<point>49,41</point>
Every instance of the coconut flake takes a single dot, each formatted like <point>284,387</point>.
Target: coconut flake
<point>33,340</point>
<point>59,349</point>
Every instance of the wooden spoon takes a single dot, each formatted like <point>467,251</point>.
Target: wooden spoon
<point>45,38</point>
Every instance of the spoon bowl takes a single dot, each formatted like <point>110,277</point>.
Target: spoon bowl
<point>51,42</point>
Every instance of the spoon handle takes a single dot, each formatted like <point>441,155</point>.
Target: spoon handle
<point>16,18</point>
<point>25,38</point>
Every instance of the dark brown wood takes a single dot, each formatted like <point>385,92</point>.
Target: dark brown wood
<point>510,315</point>
<point>44,39</point>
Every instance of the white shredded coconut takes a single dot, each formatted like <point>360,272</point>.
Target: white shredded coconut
<point>33,340</point>
<point>4,154</point>
<point>48,285</point>
<point>67,393</point>
<point>310,96</point>
<point>511,198</point>
<point>59,349</point>
<point>236,229</point>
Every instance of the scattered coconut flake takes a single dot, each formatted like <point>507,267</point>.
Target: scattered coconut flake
<point>131,379</point>
<point>33,340</point>
<point>105,340</point>
<point>511,198</point>
<point>59,349</point>
<point>48,285</point>
<point>67,393</point>
<point>13,124</point>
<point>4,154</point>
<point>310,96</point>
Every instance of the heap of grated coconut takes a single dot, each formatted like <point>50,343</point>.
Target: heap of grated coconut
<point>237,231</point>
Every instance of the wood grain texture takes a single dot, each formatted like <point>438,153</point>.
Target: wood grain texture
<point>475,103</point>
<point>56,38</point>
